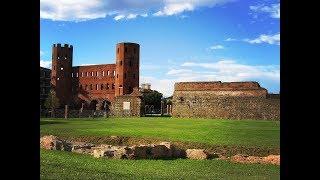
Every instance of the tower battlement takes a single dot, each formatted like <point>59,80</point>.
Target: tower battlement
<point>94,82</point>
<point>58,45</point>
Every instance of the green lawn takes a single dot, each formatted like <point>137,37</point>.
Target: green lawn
<point>66,165</point>
<point>251,133</point>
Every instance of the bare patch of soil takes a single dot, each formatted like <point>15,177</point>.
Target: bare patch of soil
<point>271,159</point>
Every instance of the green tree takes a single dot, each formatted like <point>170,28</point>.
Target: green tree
<point>153,98</point>
<point>52,102</point>
<point>168,100</point>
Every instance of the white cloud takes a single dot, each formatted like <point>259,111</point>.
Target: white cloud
<point>118,17</point>
<point>223,70</point>
<point>129,16</point>
<point>46,64</point>
<point>144,15</point>
<point>215,47</point>
<point>230,39</point>
<point>132,16</point>
<point>41,53</point>
<point>82,10</point>
<point>263,38</point>
<point>173,7</point>
<point>273,10</point>
<point>72,10</point>
<point>164,86</point>
<point>178,71</point>
<point>229,70</point>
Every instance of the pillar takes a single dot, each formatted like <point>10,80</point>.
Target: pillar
<point>66,111</point>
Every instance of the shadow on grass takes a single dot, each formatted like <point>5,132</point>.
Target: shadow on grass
<point>51,122</point>
<point>160,116</point>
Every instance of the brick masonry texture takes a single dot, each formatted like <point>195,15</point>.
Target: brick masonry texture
<point>235,100</point>
<point>94,84</point>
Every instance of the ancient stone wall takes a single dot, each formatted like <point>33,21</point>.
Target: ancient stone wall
<point>226,103</point>
<point>128,105</point>
<point>224,88</point>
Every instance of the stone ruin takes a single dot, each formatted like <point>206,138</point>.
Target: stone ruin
<point>128,105</point>
<point>163,150</point>
<point>229,100</point>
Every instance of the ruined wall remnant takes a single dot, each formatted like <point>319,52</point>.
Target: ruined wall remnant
<point>128,105</point>
<point>234,100</point>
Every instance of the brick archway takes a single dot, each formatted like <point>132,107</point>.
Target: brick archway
<point>93,104</point>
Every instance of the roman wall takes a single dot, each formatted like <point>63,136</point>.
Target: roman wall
<point>225,100</point>
<point>94,81</point>
<point>128,105</point>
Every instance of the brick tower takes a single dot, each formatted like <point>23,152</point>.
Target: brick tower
<point>127,68</point>
<point>61,80</point>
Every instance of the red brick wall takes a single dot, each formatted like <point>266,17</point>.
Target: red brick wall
<point>61,72</point>
<point>93,82</point>
<point>100,77</point>
<point>127,68</point>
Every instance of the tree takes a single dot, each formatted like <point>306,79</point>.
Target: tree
<point>153,98</point>
<point>168,100</point>
<point>52,101</point>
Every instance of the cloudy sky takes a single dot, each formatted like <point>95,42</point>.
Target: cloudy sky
<point>180,40</point>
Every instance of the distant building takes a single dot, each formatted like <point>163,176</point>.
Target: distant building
<point>145,87</point>
<point>45,78</point>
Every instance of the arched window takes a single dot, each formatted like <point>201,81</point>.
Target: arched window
<point>112,85</point>
<point>91,87</point>
<point>101,87</point>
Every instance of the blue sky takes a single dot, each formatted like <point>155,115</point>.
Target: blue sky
<point>180,40</point>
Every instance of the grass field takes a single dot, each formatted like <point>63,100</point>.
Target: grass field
<point>66,165</point>
<point>207,131</point>
<point>248,133</point>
